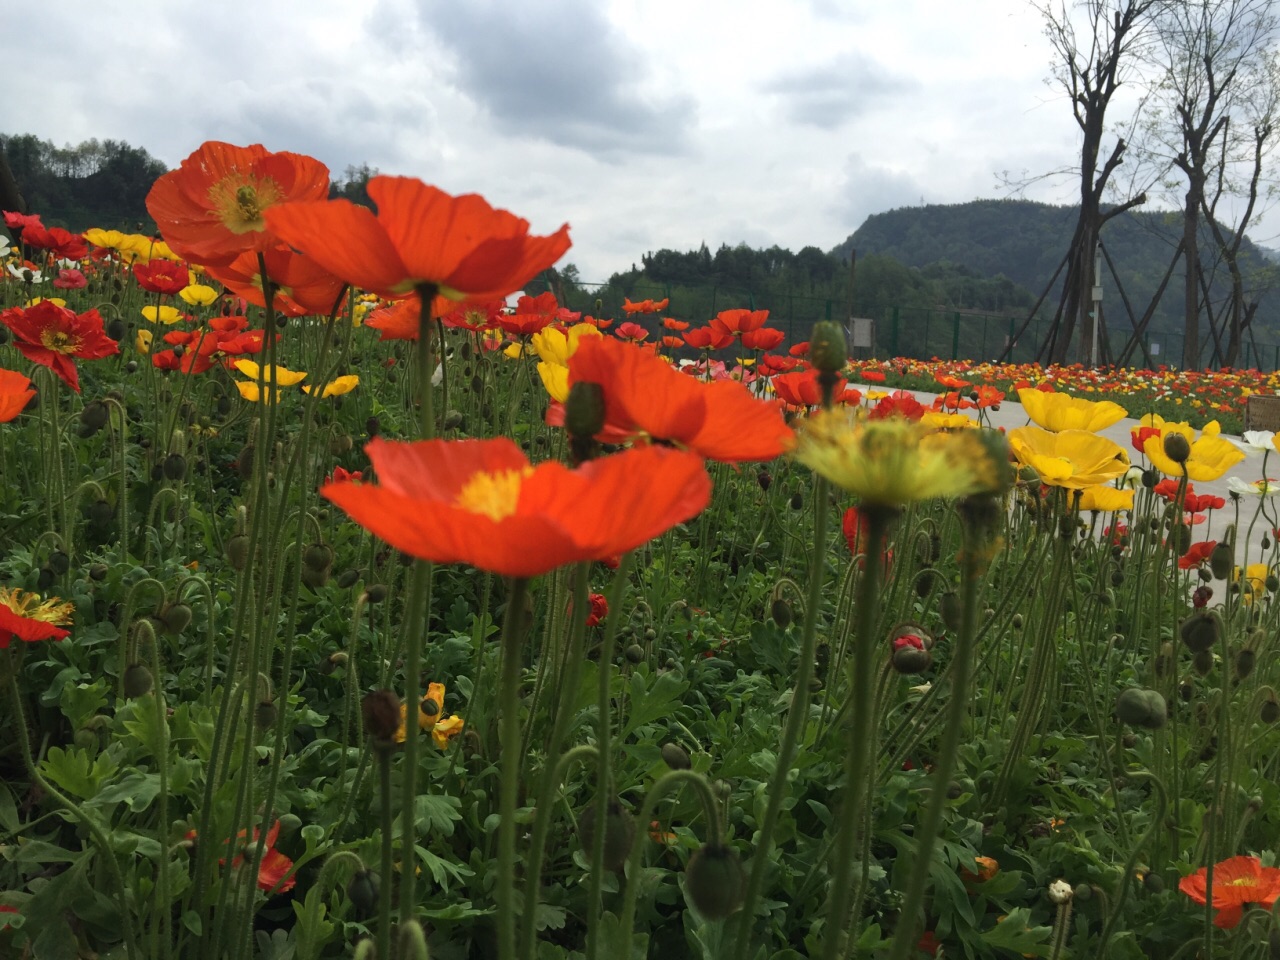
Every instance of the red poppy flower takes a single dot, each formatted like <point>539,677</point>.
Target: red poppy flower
<point>1196,555</point>
<point>765,338</point>
<point>988,397</point>
<point>20,221</point>
<point>599,609</point>
<point>1168,488</point>
<point>302,287</point>
<point>631,331</point>
<point>24,616</point>
<point>799,349</point>
<point>645,306</point>
<point>872,376</point>
<point>274,864</point>
<point>480,502</point>
<point>1139,435</point>
<point>70,280</point>
<point>676,326</point>
<point>63,244</point>
<point>533,314</point>
<point>162,276</point>
<point>211,209</point>
<point>644,394</point>
<point>398,321</point>
<point>340,475</point>
<point>1199,503</point>
<point>1237,881</point>
<point>737,322</point>
<point>15,393</point>
<point>56,337</point>
<point>673,343</point>
<point>772,363</point>
<point>707,338</point>
<point>853,528</point>
<point>900,403</point>
<point>476,316</point>
<point>599,324</point>
<point>420,234</point>
<point>801,389</point>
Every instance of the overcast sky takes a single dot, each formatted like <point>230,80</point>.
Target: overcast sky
<point>643,123</point>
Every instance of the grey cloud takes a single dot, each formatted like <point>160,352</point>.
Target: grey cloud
<point>868,189</point>
<point>561,72</point>
<point>828,95</point>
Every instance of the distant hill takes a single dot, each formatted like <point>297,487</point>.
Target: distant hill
<point>1026,241</point>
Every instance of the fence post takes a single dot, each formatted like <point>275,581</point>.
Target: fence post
<point>955,335</point>
<point>895,321</point>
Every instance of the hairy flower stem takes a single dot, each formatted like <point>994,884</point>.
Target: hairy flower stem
<point>797,718</point>
<point>860,735</point>
<point>383,754</point>
<point>972,565</point>
<point>509,738</point>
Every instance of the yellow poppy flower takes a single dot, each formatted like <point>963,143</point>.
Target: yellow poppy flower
<point>896,461</point>
<point>56,301</point>
<point>1105,499</point>
<point>249,390</point>
<point>948,421</point>
<point>430,710</point>
<point>1070,458</point>
<point>273,374</point>
<point>337,387</point>
<point>198,295</point>
<point>165,314</point>
<point>555,348</point>
<point>446,730</point>
<point>1058,411</point>
<point>142,342</point>
<point>108,239</point>
<point>1252,580</point>
<point>1209,458</point>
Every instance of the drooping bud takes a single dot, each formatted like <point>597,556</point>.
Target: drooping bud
<point>584,409</point>
<point>1200,631</point>
<point>619,833</point>
<point>380,711</point>
<point>949,608</point>
<point>137,680</point>
<point>714,881</point>
<point>175,617</point>
<point>1221,559</point>
<point>1141,708</point>
<point>362,891</point>
<point>238,551</point>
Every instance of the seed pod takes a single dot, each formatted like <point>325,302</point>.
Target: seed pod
<point>713,881</point>
<point>619,833</point>
<point>137,680</point>
<point>1221,559</point>
<point>675,757</point>
<point>1200,631</point>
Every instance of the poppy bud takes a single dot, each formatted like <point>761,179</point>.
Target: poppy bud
<point>1082,891</point>
<point>175,617</point>
<point>1016,621</point>
<point>1141,708</point>
<point>137,680</point>
<point>1153,882</point>
<point>1202,662</point>
<point>797,501</point>
<point>1180,539</point>
<point>362,891</point>
<point>380,711</point>
<point>264,715</point>
<point>318,556</point>
<point>619,833</point>
<point>94,415</point>
<point>373,426</point>
<point>910,659</point>
<point>315,579</point>
<point>175,466</point>
<point>780,612</point>
<point>376,593</point>
<point>1269,712</point>
<point>1164,659</point>
<point>634,653</point>
<point>44,580</point>
<point>713,881</point>
<point>59,562</point>
<point>764,479</point>
<point>453,420</point>
<point>1244,664</point>
<point>1200,631</point>
<point>828,351</point>
<point>675,757</point>
<point>1221,559</point>
<point>244,462</point>
<point>1186,690</point>
<point>98,571</point>
<point>347,579</point>
<point>100,513</point>
<point>238,551</point>
<point>1149,478</point>
<point>924,583</point>
<point>1176,447</point>
<point>949,608</point>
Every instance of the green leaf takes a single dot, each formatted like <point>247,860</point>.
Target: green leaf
<point>76,772</point>
<point>1015,933</point>
<point>137,789</point>
<point>8,810</point>
<point>549,917</point>
<point>83,700</point>
<point>142,720</point>
<point>435,813</point>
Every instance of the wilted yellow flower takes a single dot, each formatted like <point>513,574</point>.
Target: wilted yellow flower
<point>338,386</point>
<point>446,730</point>
<point>164,314</point>
<point>1058,411</point>
<point>198,295</point>
<point>895,461</point>
<point>431,717</point>
<point>1071,458</point>
<point>1210,456</point>
<point>1105,499</point>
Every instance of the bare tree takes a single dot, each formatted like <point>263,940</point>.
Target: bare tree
<point>1095,43</point>
<point>1212,113</point>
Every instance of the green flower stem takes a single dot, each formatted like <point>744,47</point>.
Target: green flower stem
<point>972,565</point>
<point>861,736</point>
<point>509,738</point>
<point>604,776</point>
<point>1126,877</point>
<point>797,719</point>
<point>566,698</point>
<point>382,752</point>
<point>100,839</point>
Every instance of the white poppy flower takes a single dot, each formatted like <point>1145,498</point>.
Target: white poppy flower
<point>1263,440</point>
<point>25,273</point>
<point>1268,487</point>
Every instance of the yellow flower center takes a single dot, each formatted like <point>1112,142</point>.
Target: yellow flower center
<point>60,342</point>
<point>493,495</point>
<point>30,606</point>
<point>239,205</point>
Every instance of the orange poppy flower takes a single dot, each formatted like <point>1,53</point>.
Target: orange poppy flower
<point>671,323</point>
<point>397,321</point>
<point>631,331</point>
<point>480,502</point>
<point>738,322</point>
<point>645,395</point>
<point>15,393</point>
<point>1236,882</point>
<point>800,389</point>
<point>872,376</point>
<point>211,209</point>
<point>644,306</point>
<point>56,337</point>
<point>707,338</point>
<point>765,338</point>
<point>302,286</point>
<point>419,235</point>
